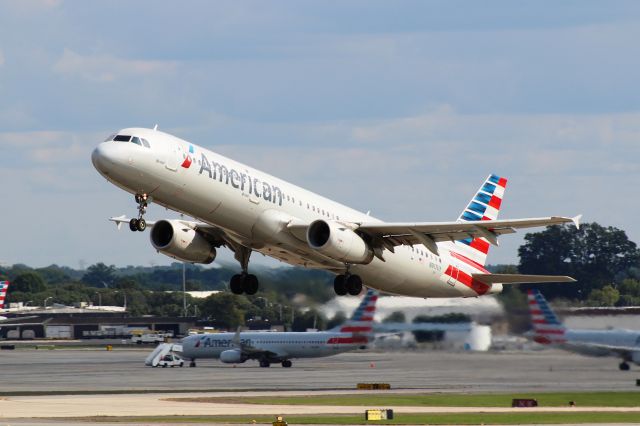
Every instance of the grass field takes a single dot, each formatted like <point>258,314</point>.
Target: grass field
<point>432,419</point>
<point>555,399</point>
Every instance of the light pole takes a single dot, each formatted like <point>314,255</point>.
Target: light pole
<point>125,298</point>
<point>45,301</point>
<point>184,288</point>
<point>99,298</point>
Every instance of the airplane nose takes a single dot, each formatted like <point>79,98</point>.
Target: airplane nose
<point>103,157</point>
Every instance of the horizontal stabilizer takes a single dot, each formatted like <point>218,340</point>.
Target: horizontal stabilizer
<point>521,279</point>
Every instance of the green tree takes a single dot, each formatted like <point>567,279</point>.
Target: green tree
<point>606,296</point>
<point>28,282</point>
<point>309,319</point>
<point>100,275</point>
<point>338,319</point>
<point>224,309</point>
<point>396,316</point>
<point>593,254</point>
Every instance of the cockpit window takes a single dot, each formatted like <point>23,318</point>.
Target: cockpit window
<point>122,138</point>
<point>136,140</point>
<point>145,143</point>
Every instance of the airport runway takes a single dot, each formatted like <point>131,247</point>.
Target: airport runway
<point>93,370</point>
<point>82,370</point>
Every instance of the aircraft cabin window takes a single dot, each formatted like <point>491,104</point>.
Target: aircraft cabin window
<point>122,138</point>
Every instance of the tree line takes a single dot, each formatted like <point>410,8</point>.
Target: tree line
<point>603,260</point>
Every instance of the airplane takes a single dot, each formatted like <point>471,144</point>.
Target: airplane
<point>246,210</point>
<point>548,330</point>
<point>271,347</point>
<point>4,287</point>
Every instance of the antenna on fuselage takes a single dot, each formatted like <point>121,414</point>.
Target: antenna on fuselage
<point>155,127</point>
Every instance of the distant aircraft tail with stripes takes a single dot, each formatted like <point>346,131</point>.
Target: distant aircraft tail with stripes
<point>4,286</point>
<point>547,328</point>
<point>361,321</point>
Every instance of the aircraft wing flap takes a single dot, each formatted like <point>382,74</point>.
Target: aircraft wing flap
<point>521,278</point>
<point>414,233</point>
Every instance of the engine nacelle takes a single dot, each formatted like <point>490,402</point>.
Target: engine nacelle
<point>338,242</point>
<point>232,356</point>
<point>174,239</point>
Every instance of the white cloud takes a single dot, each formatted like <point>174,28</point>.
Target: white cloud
<point>107,68</point>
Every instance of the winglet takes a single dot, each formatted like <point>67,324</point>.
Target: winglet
<point>236,338</point>
<point>576,220</point>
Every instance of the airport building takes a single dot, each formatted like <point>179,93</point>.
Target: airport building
<point>86,323</point>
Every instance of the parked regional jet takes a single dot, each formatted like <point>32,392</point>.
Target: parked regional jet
<point>269,347</point>
<point>246,210</point>
<point>548,330</point>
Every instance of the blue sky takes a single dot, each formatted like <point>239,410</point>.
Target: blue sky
<point>401,108</point>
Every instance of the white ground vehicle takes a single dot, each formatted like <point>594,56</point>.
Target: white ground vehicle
<point>141,338</point>
<point>170,360</point>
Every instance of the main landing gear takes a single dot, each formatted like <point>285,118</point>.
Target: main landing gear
<point>244,282</point>
<point>624,366</point>
<point>140,224</point>
<point>286,363</point>
<point>347,283</point>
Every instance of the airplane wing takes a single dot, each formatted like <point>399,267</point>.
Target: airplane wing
<point>429,233</point>
<point>252,352</point>
<point>521,279</point>
<point>621,350</point>
<point>215,235</point>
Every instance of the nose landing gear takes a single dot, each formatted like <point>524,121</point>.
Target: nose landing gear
<point>140,224</point>
<point>243,282</point>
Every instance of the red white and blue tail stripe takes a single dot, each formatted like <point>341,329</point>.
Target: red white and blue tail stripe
<point>485,205</point>
<point>4,286</point>
<point>359,329</point>
<point>547,328</point>
<point>361,320</point>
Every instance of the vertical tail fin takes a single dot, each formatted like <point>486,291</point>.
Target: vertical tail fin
<point>4,286</point>
<point>547,328</point>
<point>485,205</point>
<point>361,320</point>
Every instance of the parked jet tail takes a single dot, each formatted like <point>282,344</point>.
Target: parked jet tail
<point>547,328</point>
<point>361,322</point>
<point>4,286</point>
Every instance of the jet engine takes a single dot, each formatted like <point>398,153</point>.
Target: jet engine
<point>231,356</point>
<point>174,239</point>
<point>338,242</point>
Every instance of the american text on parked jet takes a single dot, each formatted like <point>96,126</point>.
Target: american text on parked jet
<point>548,330</point>
<point>246,210</point>
<point>282,347</point>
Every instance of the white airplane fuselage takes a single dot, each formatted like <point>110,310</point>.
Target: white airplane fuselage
<point>253,208</point>
<point>289,345</point>
<point>595,342</point>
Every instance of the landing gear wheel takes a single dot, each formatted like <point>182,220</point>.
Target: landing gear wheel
<point>265,363</point>
<point>192,363</point>
<point>286,363</point>
<point>250,284</point>
<point>133,224</point>
<point>339,285</point>
<point>624,366</point>
<point>354,285</point>
<point>138,198</point>
<point>236,284</point>
<point>141,225</point>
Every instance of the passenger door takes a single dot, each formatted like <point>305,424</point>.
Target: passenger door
<point>172,156</point>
